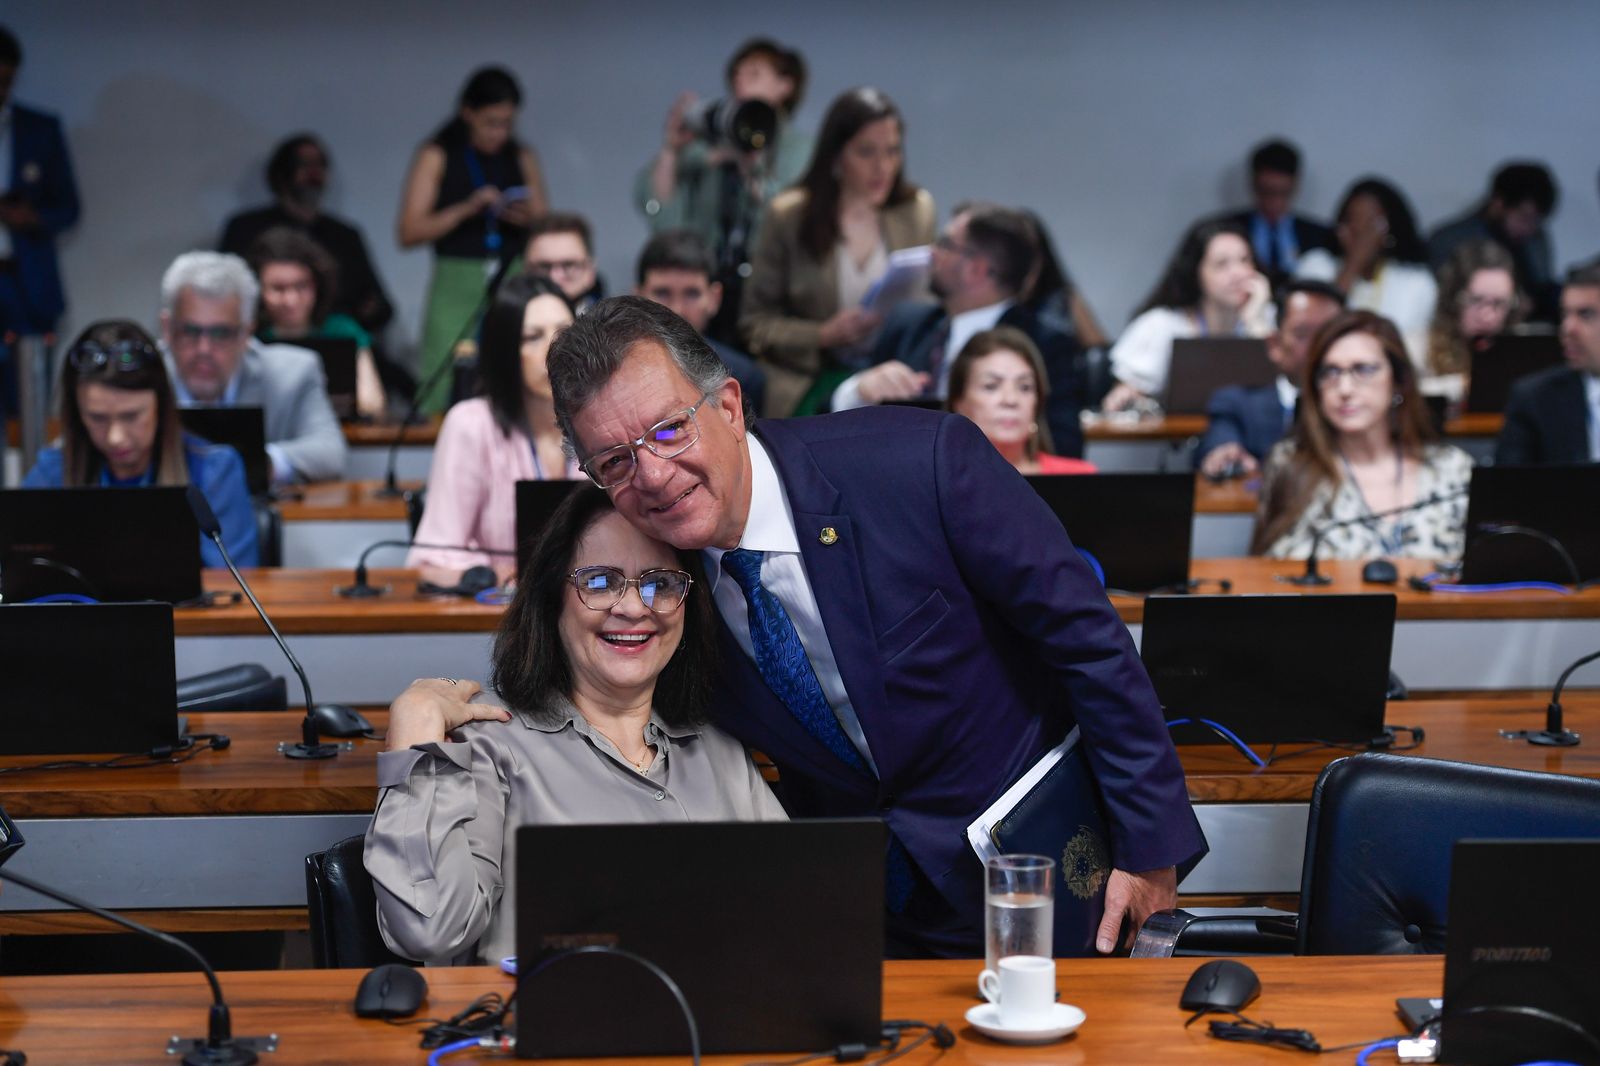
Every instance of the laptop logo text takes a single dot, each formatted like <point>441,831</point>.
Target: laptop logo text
<point>1513,954</point>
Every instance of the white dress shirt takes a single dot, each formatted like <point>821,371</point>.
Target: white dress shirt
<point>1288,396</point>
<point>770,529</point>
<point>963,328</point>
<point>1591,389</point>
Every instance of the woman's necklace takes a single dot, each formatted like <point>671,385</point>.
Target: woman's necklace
<point>1392,542</point>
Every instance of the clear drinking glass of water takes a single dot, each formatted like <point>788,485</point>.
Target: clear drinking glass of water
<point>1019,907</point>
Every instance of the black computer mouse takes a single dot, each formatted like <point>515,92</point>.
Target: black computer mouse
<point>1220,985</point>
<point>393,990</point>
<point>340,720</point>
<point>1380,572</point>
<point>474,579</point>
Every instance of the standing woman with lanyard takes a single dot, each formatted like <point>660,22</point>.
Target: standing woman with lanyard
<point>472,190</point>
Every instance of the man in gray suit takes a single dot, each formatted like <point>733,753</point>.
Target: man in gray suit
<point>208,309</point>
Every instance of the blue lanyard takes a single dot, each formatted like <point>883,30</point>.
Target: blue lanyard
<point>538,467</point>
<point>491,222</point>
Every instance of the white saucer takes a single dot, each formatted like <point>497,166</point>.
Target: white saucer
<point>1064,1019</point>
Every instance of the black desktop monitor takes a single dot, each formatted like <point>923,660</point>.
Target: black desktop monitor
<point>1202,365</point>
<point>1533,523</point>
<point>1271,669</point>
<point>536,502</point>
<point>773,930</point>
<point>87,678</point>
<point>1508,357</point>
<point>1137,528</point>
<point>244,429</point>
<point>339,368</point>
<point>109,544</point>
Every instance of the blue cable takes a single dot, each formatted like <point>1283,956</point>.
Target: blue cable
<point>1507,586</point>
<point>63,597</point>
<point>450,1049</point>
<point>494,596</point>
<point>1229,735</point>
<point>1365,1058</point>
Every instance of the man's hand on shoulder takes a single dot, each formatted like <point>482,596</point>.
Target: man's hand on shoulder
<point>891,381</point>
<point>1135,897</point>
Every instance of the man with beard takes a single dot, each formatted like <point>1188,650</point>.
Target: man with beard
<point>980,264</point>
<point>297,174</point>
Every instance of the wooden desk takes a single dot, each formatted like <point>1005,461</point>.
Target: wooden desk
<point>329,524</point>
<point>370,443</point>
<point>1131,1004</point>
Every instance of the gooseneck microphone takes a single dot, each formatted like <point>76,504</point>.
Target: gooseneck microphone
<point>310,746</point>
<point>362,589</point>
<point>391,488</point>
<point>1553,735</point>
<point>1313,576</point>
<point>218,1047</point>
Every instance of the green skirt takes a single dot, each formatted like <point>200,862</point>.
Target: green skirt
<point>455,295</point>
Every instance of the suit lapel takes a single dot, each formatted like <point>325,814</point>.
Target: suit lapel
<point>1573,423</point>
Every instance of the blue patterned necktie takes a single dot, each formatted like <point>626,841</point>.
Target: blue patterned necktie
<point>787,670</point>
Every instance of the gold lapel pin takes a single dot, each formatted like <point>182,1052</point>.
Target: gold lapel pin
<point>829,535</point>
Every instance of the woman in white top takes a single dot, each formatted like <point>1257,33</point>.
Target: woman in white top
<point>1361,448</point>
<point>1211,288</point>
<point>1384,268</point>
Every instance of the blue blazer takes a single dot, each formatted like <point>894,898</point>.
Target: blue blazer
<point>217,470</point>
<point>41,173</point>
<point>908,336</point>
<point>1252,417</point>
<point>970,635</point>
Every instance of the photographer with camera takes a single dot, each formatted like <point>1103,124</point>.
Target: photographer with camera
<point>721,161</point>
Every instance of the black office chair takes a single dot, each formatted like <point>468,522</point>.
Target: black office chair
<point>246,687</point>
<point>269,531</point>
<point>1376,877</point>
<point>344,910</point>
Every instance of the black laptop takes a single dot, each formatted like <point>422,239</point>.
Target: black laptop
<point>1136,528</point>
<point>536,502</point>
<point>108,544</point>
<point>1520,980</point>
<point>1202,365</point>
<point>1508,357</point>
<point>338,368</point>
<point>126,703</point>
<point>1271,669</point>
<point>1533,523</point>
<point>244,429</point>
<point>773,930</point>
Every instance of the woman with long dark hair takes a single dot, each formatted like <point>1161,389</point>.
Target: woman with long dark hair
<point>471,192</point>
<point>120,429</point>
<point>823,245</point>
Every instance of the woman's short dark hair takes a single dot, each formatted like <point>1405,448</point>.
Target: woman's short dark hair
<point>847,116</point>
<point>530,662</point>
<point>500,345</point>
<point>285,159</point>
<point>1006,339</point>
<point>486,87</point>
<point>82,463</point>
<point>1405,243</point>
<point>280,244</point>
<point>1179,287</point>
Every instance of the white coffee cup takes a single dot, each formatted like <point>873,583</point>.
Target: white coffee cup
<point>1024,990</point>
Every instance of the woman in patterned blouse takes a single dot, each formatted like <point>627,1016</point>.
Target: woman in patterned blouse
<point>1362,444</point>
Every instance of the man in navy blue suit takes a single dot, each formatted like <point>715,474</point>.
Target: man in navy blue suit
<point>906,627</point>
<point>981,263</point>
<point>38,200</point>
<point>1244,422</point>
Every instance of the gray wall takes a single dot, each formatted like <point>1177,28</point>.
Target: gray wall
<point>1120,122</point>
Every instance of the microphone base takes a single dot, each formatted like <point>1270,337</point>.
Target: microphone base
<point>1553,738</point>
<point>312,751</point>
<point>1306,580</point>
<point>363,592</point>
<point>239,1051</point>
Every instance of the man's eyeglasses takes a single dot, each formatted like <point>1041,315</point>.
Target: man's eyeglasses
<point>1360,373</point>
<point>559,266</point>
<point>667,438</point>
<point>601,588</point>
<point>122,357</point>
<point>193,333</point>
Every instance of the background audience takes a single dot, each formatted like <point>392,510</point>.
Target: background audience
<point>1278,236</point>
<point>560,247</point>
<point>120,429</point>
<point>1362,445</point>
<point>1478,301</point>
<point>1522,197</point>
<point>1553,416</point>
<point>489,443</point>
<point>999,381</point>
<point>471,193</point>
<point>823,245</point>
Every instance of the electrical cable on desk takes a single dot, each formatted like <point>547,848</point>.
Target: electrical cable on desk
<point>889,1043</point>
<point>1435,582</point>
<point>1383,743</point>
<point>1249,1031</point>
<point>166,755</point>
<point>484,1016</point>
<point>487,1043</point>
<point>1226,734</point>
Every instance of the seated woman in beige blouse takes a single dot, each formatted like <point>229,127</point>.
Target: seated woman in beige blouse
<point>1362,444</point>
<point>603,660</point>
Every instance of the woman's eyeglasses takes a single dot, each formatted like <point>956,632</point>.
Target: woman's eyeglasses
<point>601,588</point>
<point>123,357</point>
<point>1361,373</point>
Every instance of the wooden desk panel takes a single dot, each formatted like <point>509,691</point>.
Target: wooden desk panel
<point>381,434</point>
<point>304,601</point>
<point>345,501</point>
<point>1181,427</point>
<point>1131,1004</point>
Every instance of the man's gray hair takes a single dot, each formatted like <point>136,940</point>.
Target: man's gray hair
<point>216,275</point>
<point>587,353</point>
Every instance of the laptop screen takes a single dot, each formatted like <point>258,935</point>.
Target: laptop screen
<point>54,706</point>
<point>1508,357</point>
<point>773,930</point>
<point>1533,523</point>
<point>244,429</point>
<point>338,356</point>
<point>1273,668</point>
<point>1137,527</point>
<point>536,502</point>
<point>1202,365</point>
